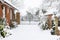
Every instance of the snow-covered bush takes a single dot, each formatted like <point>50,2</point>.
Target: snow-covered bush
<point>2,32</point>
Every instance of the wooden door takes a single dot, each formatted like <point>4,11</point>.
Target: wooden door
<point>18,18</point>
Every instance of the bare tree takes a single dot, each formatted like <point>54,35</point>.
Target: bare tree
<point>29,17</point>
<point>50,4</point>
<point>37,12</point>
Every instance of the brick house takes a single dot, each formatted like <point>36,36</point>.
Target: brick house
<point>7,10</point>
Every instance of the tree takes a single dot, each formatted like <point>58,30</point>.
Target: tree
<point>51,5</point>
<point>29,17</point>
<point>37,12</point>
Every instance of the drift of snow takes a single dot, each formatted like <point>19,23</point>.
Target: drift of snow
<point>30,32</point>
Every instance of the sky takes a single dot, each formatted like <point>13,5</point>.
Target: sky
<point>25,5</point>
<point>32,5</point>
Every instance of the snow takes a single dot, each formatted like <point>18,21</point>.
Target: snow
<point>25,5</point>
<point>29,23</point>
<point>11,4</point>
<point>30,32</point>
<point>48,13</point>
<point>30,3</point>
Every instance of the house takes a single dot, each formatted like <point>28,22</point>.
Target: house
<point>7,10</point>
<point>49,19</point>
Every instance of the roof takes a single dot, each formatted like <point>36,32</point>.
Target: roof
<point>48,13</point>
<point>10,4</point>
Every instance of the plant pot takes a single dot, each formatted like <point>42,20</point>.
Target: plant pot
<point>53,32</point>
<point>3,34</point>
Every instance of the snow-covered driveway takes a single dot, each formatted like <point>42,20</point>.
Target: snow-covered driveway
<point>30,32</point>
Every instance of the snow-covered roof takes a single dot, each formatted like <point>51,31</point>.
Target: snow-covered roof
<point>8,2</point>
<point>48,13</point>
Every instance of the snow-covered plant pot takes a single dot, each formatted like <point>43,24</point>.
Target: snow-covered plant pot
<point>53,28</point>
<point>3,34</point>
<point>52,32</point>
<point>43,27</point>
<point>46,26</point>
<point>11,24</point>
<point>15,23</point>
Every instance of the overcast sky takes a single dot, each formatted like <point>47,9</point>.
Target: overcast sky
<point>24,5</point>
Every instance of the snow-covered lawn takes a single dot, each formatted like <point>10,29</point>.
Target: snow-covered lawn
<point>30,32</point>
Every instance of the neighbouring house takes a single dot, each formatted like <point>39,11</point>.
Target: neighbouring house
<point>33,18</point>
<point>7,11</point>
<point>49,19</point>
